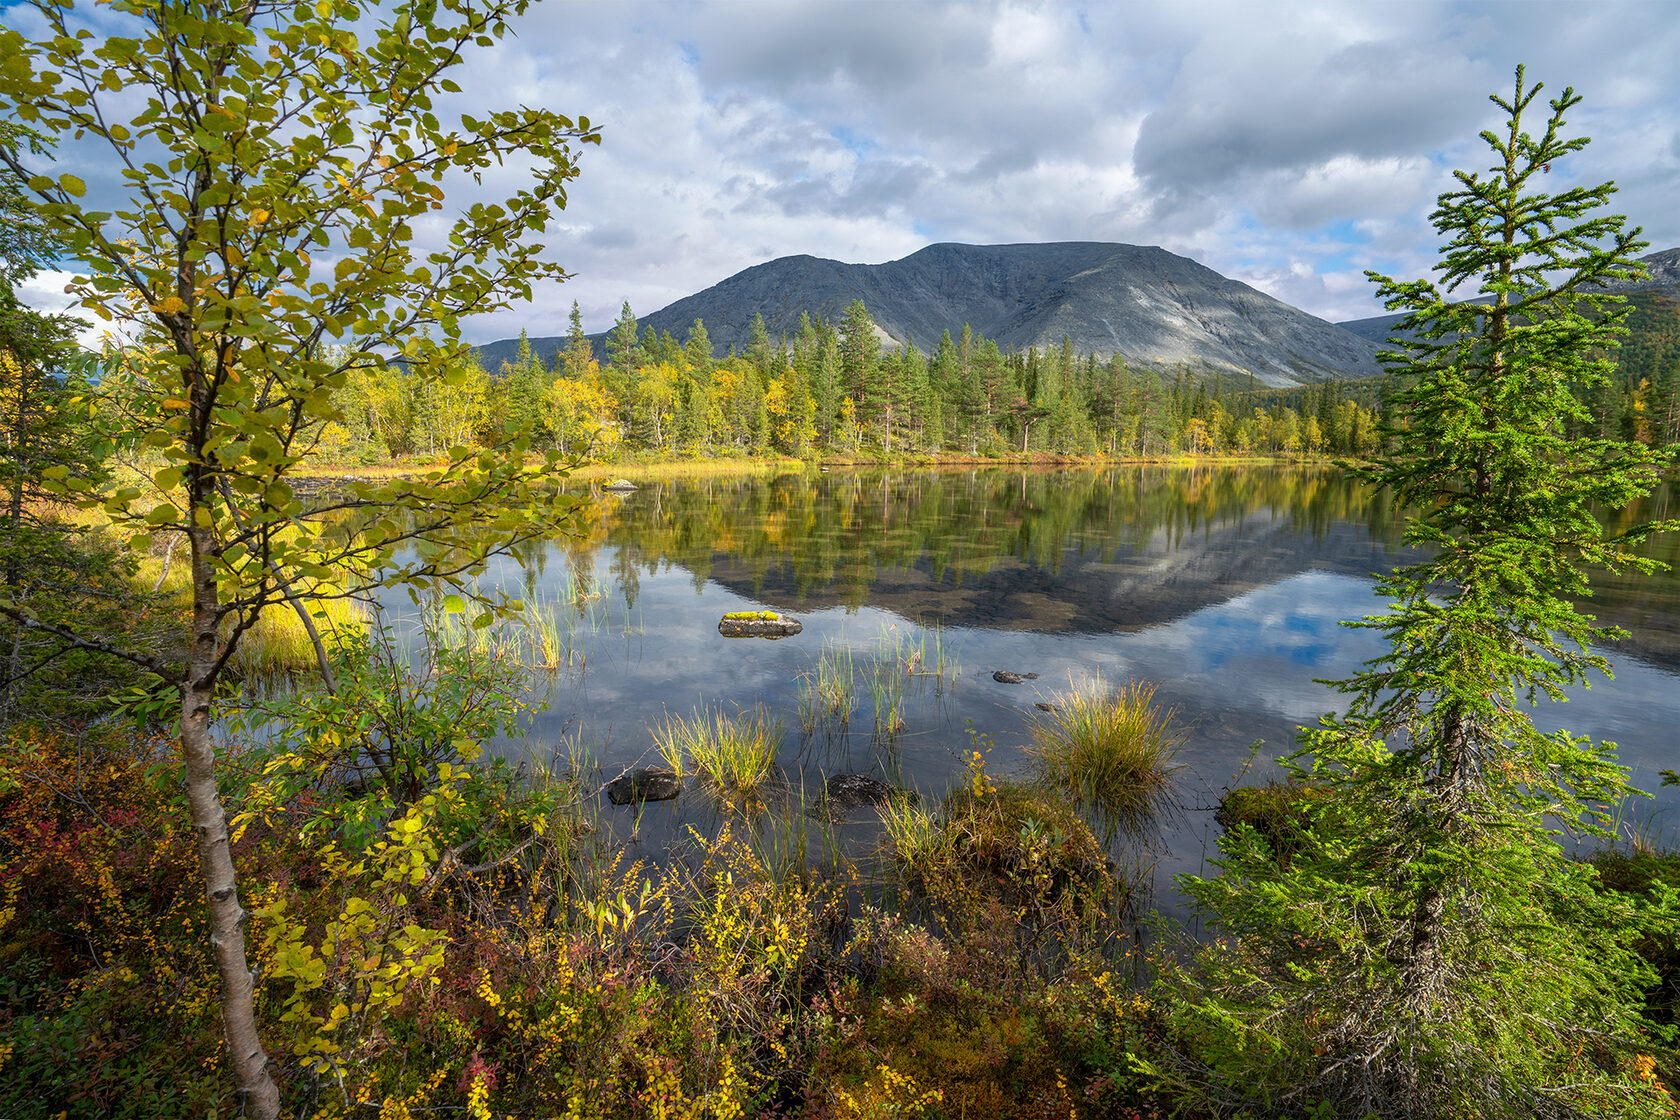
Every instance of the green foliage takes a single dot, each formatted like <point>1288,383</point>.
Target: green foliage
<point>366,959</point>
<point>1651,878</point>
<point>384,733</point>
<point>1429,949</point>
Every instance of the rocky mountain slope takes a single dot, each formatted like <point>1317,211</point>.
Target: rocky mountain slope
<point>1144,303</point>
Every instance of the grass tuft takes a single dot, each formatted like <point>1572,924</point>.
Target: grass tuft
<point>734,753</point>
<point>912,833</point>
<point>1111,750</point>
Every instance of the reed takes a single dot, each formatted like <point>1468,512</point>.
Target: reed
<point>912,834</point>
<point>827,692</point>
<point>1111,750</point>
<point>735,753</point>
<point>279,644</point>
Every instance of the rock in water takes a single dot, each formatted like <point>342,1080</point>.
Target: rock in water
<point>759,627</point>
<point>844,792</point>
<point>647,784</point>
<point>1004,676</point>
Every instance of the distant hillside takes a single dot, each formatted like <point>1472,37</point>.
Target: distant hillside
<point>1661,287</point>
<point>1146,304</point>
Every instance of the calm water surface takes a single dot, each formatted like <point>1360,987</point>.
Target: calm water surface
<point>1223,586</point>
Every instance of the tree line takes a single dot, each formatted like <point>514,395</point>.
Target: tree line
<point>834,389</point>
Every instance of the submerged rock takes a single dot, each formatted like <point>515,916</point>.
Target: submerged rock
<point>1004,676</point>
<point>777,627</point>
<point>650,783</point>
<point>844,792</point>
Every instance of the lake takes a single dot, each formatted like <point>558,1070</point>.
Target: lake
<point>1225,586</point>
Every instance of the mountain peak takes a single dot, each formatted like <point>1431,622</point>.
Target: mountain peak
<point>1144,303</point>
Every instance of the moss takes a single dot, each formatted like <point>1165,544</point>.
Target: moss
<point>752,616</point>
<point>1028,840</point>
<point>1281,812</point>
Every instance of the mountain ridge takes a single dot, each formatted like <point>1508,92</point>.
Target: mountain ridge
<point>1150,306</point>
<point>1662,276</point>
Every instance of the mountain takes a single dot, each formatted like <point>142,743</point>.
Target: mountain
<point>1148,305</point>
<point>1661,282</point>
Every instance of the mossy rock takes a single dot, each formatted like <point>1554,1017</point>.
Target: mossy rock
<point>758,624</point>
<point>1281,812</point>
<point>844,792</point>
<point>651,783</point>
<point>1029,841</point>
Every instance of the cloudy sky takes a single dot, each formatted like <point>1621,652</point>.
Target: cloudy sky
<point>1289,145</point>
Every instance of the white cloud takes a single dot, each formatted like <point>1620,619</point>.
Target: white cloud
<point>1288,144</point>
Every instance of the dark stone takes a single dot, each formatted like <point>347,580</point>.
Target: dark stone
<point>647,784</point>
<point>759,627</point>
<point>844,792</point>
<point>1004,676</point>
<point>1043,707</point>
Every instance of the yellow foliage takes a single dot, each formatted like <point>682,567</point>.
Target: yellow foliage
<point>364,964</point>
<point>888,1093</point>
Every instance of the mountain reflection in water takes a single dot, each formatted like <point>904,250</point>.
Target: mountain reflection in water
<point>1225,586</point>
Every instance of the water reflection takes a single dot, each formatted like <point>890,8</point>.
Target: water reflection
<point>1224,586</point>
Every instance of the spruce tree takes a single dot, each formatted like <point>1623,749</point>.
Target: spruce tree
<point>1432,950</point>
<point>577,355</point>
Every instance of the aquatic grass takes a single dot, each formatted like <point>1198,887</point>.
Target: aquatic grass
<point>827,692</point>
<point>886,692</point>
<point>460,631</point>
<point>579,588</point>
<point>279,644</point>
<point>734,753</point>
<point>945,666</point>
<point>551,637</point>
<point>780,840</point>
<point>912,834</point>
<point>904,652</point>
<point>1111,750</point>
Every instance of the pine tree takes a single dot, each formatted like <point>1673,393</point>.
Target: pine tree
<point>860,350</point>
<point>1432,951</point>
<point>623,353</point>
<point>697,351</point>
<point>576,356</point>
